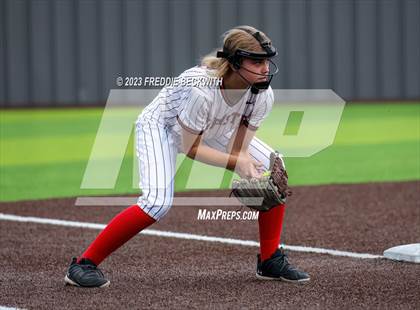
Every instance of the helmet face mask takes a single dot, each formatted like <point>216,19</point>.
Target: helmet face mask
<point>235,59</point>
<point>273,70</point>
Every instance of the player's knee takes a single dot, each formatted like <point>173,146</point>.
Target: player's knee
<point>156,203</point>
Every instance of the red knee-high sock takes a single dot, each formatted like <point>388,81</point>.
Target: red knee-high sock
<point>122,228</point>
<point>270,225</point>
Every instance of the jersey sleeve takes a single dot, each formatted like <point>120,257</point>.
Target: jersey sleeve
<point>262,108</point>
<point>194,112</point>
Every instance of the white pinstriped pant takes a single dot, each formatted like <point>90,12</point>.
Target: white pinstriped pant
<point>156,152</point>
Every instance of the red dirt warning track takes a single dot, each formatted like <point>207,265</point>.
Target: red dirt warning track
<point>157,272</point>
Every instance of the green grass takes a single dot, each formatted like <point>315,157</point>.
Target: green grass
<point>44,152</point>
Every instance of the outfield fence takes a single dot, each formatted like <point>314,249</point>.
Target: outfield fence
<point>70,52</point>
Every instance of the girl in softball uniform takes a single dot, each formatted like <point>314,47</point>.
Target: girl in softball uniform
<point>214,124</point>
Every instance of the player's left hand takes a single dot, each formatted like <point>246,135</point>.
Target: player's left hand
<point>272,187</point>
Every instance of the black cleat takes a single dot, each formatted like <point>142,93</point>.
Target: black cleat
<point>277,267</point>
<point>85,274</point>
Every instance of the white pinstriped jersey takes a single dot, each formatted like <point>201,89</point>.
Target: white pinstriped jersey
<point>203,109</point>
<point>200,110</point>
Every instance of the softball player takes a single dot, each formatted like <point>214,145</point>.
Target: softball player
<point>214,124</point>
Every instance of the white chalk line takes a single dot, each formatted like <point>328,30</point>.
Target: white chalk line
<point>186,236</point>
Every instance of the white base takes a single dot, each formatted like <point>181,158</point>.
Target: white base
<point>407,253</point>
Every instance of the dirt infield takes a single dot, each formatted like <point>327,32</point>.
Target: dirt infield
<point>164,272</point>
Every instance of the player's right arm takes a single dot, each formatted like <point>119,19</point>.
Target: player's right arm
<point>244,165</point>
<point>192,119</point>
